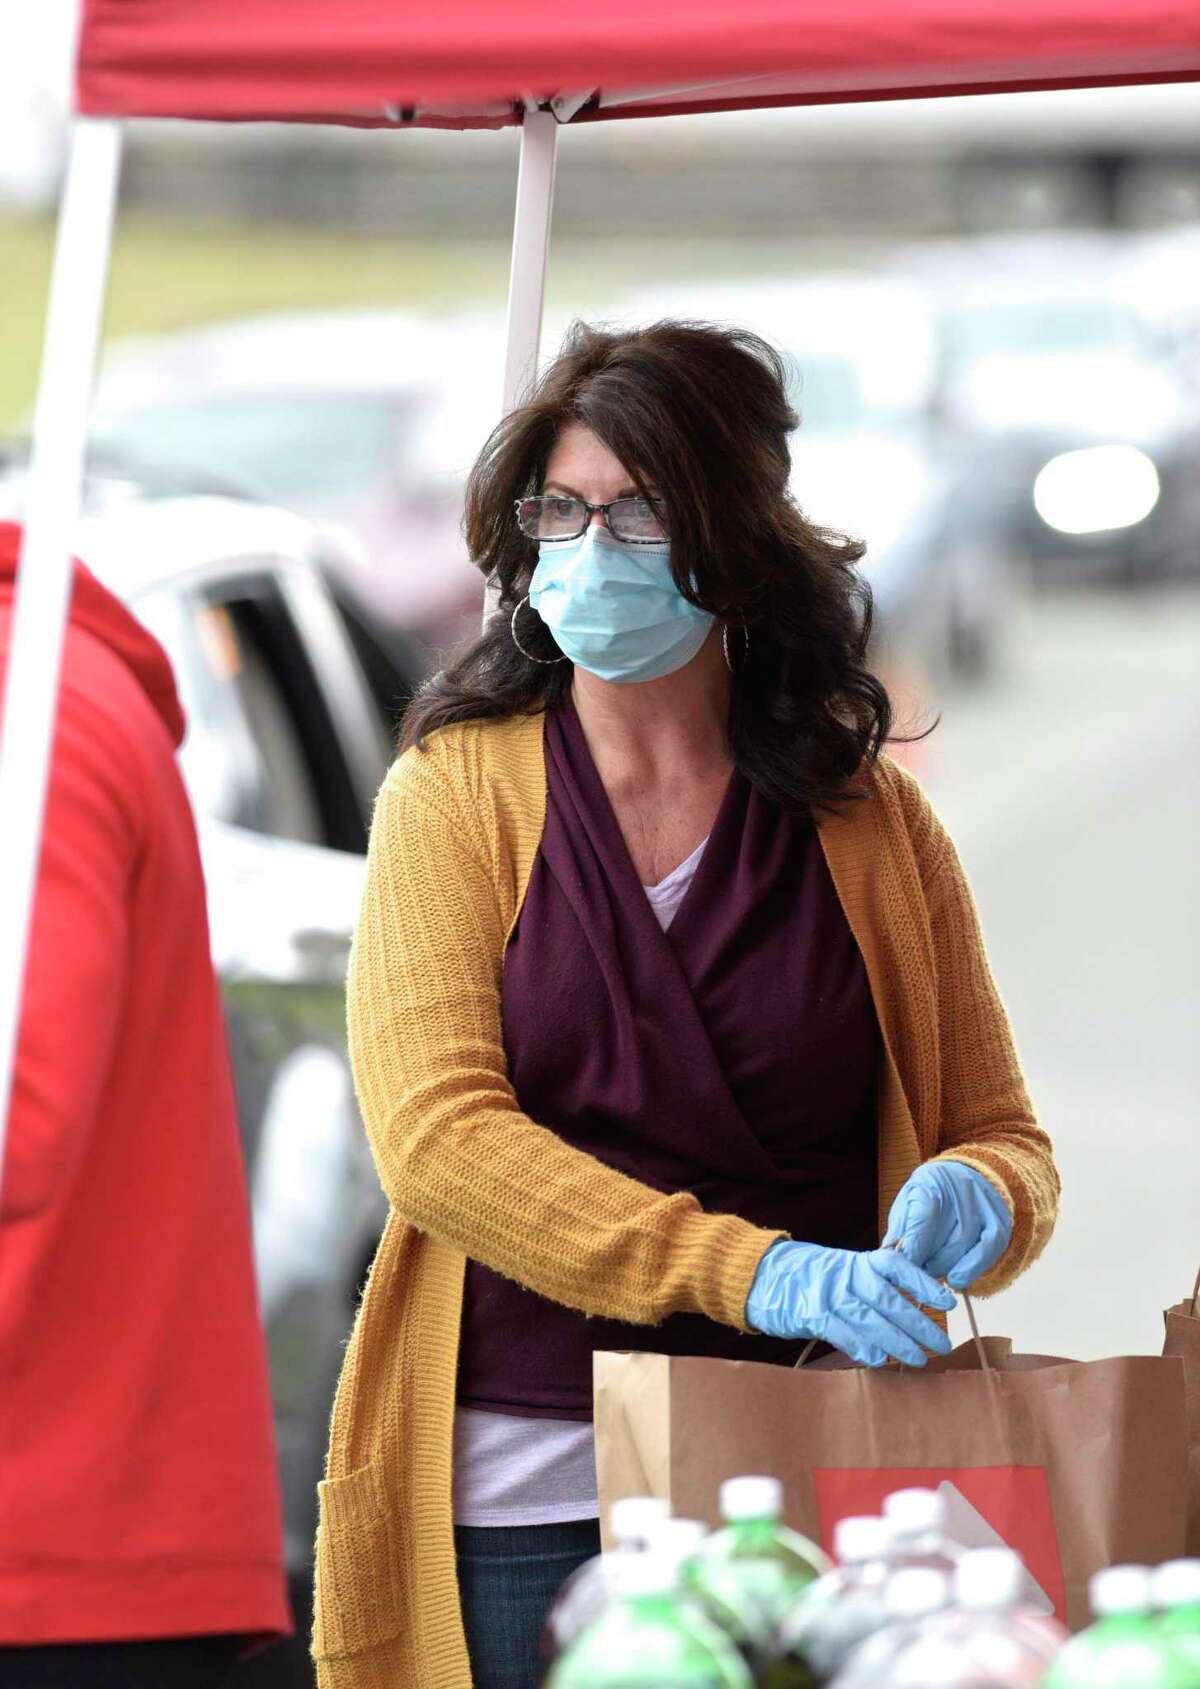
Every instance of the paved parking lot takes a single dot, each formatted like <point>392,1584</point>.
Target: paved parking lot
<point>1073,788</point>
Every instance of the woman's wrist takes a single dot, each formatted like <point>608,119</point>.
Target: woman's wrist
<point>719,1256</point>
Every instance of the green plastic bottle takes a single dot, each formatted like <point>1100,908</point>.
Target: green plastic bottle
<point>1175,1592</point>
<point>681,1540</point>
<point>646,1638</point>
<point>1124,1649</point>
<point>749,1574</point>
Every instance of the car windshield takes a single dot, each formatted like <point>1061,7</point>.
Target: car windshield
<point>1048,327</point>
<point>827,395</point>
<point>302,448</point>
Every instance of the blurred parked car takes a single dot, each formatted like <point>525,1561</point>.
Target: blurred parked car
<point>1161,278</point>
<point>865,460</point>
<point>289,733</point>
<point>366,419</point>
<point>1078,439</point>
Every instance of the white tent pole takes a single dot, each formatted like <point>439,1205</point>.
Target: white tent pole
<point>530,248</point>
<point>527,276</point>
<point>76,308</point>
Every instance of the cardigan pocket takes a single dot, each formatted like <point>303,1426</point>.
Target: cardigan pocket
<point>357,1601</point>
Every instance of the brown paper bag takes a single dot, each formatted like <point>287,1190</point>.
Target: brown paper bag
<point>1183,1339</point>
<point>1076,1465</point>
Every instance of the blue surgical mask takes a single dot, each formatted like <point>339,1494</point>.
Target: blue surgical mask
<point>614,609</point>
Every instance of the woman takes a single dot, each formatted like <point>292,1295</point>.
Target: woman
<point>668,1002</point>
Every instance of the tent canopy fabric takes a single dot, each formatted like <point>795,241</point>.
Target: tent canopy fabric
<point>474,63</point>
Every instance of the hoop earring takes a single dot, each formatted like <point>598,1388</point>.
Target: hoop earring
<point>725,647</point>
<point>512,628</point>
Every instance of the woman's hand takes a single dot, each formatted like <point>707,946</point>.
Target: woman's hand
<point>850,1299</point>
<point>950,1220</point>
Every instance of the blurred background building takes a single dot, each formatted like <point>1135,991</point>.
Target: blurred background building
<point>991,311</point>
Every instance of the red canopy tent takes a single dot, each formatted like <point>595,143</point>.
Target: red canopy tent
<point>467,63</point>
<point>462,64</point>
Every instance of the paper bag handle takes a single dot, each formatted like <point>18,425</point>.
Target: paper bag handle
<point>984,1364</point>
<point>1196,1296</point>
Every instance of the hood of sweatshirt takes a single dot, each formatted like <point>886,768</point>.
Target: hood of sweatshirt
<point>96,610</point>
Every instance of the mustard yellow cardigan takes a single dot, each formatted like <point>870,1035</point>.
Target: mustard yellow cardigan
<point>455,834</point>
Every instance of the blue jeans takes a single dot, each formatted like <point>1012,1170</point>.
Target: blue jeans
<point>173,1663</point>
<point>508,1575</point>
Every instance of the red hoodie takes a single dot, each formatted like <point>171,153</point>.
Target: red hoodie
<point>138,1487</point>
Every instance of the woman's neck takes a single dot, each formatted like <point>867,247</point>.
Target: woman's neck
<point>657,731</point>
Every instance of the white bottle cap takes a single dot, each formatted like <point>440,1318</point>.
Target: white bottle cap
<point>858,1539</point>
<point>988,1580</point>
<point>677,1540</point>
<point>751,1498</point>
<point>912,1513</point>
<point>915,1591</point>
<point>1119,1589</point>
<point>632,1517</point>
<point>641,1573</point>
<point>1176,1584</point>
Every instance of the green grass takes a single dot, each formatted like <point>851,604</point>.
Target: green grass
<point>168,275</point>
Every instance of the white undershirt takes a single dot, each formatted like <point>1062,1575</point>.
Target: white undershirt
<point>513,1471</point>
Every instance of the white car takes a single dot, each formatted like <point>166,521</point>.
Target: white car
<point>368,420</point>
<point>1069,402</point>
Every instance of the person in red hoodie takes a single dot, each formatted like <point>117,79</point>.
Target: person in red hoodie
<point>140,1521</point>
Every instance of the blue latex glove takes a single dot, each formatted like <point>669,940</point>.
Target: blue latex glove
<point>950,1220</point>
<point>850,1299</point>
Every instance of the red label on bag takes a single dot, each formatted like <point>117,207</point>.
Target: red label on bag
<point>986,1507</point>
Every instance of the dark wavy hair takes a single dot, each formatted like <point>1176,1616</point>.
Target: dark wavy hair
<point>700,412</point>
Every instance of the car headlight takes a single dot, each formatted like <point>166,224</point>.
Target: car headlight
<point>1096,489</point>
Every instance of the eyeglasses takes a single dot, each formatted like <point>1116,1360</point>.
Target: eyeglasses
<point>556,516</point>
